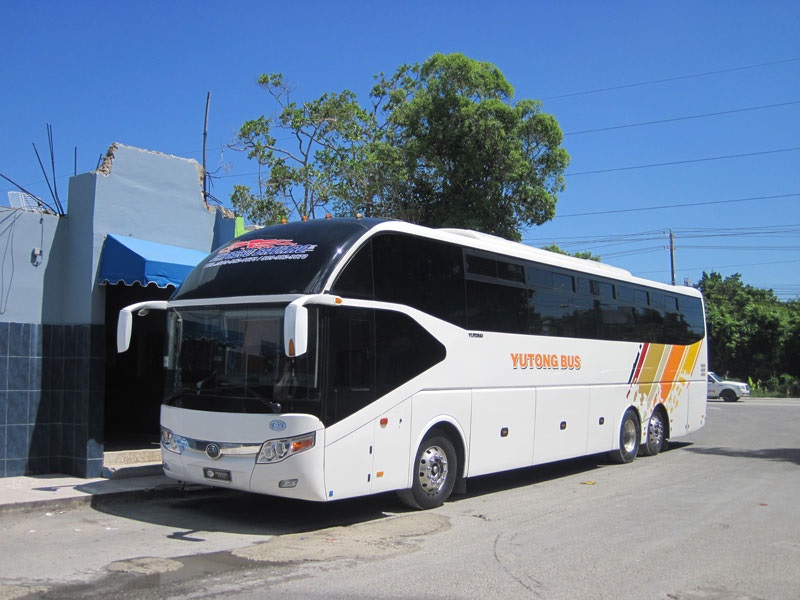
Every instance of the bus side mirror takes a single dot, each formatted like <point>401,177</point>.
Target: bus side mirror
<point>295,330</point>
<point>124,329</point>
<point>125,322</point>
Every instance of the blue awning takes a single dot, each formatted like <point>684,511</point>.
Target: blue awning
<point>130,260</point>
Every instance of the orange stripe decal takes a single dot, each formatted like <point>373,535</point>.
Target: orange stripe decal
<point>670,371</point>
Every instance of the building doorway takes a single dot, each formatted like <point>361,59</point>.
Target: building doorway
<point>134,379</point>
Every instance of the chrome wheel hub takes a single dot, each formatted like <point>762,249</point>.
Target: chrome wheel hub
<point>656,429</point>
<point>629,435</point>
<point>432,469</point>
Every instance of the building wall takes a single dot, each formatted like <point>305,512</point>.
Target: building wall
<point>22,275</point>
<point>52,310</point>
<point>23,272</point>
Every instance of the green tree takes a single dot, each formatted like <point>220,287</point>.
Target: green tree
<point>441,144</point>
<point>305,167</point>
<point>749,329</point>
<point>258,208</point>
<point>586,255</point>
<point>455,150</point>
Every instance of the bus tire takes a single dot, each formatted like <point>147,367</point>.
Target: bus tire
<point>435,472</point>
<point>630,433</point>
<point>656,434</point>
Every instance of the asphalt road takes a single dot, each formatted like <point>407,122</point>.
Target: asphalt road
<point>715,517</point>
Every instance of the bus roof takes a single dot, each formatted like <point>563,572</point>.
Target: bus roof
<point>305,257</point>
<point>496,244</point>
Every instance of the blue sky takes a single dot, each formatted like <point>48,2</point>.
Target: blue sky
<point>727,181</point>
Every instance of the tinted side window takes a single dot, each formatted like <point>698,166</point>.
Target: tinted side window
<point>482,266</point>
<point>356,280</point>
<point>404,350</point>
<point>692,315</point>
<point>605,290</point>
<point>540,278</point>
<point>551,313</point>
<point>349,342</point>
<point>563,283</point>
<point>567,305</point>
<point>368,353</point>
<point>491,268</point>
<point>425,274</point>
<point>495,307</point>
<point>625,295</point>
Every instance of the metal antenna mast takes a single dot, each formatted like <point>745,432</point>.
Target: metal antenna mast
<point>672,254</point>
<point>205,136</point>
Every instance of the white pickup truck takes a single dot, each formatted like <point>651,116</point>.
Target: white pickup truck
<point>730,391</point>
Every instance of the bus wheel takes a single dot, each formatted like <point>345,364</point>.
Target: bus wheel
<point>656,434</point>
<point>629,436</point>
<point>435,472</point>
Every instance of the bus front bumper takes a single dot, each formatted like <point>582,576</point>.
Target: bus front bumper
<point>299,476</point>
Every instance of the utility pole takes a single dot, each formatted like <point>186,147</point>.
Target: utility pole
<point>672,254</point>
<point>205,135</point>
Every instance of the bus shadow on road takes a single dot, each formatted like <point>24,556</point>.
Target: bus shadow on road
<point>195,510</point>
<point>789,455</point>
<point>508,480</point>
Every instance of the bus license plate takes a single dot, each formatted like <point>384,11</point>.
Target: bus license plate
<point>217,474</point>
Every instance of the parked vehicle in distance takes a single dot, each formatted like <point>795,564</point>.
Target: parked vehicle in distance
<point>730,391</point>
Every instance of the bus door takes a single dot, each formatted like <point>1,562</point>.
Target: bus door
<point>349,385</point>
<point>392,449</point>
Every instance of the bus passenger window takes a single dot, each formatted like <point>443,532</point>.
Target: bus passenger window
<point>356,280</point>
<point>350,350</point>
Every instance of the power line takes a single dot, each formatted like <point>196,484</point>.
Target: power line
<point>789,231</point>
<point>685,118</point>
<point>667,206</point>
<point>682,162</point>
<point>740,247</point>
<point>598,244</point>
<point>668,79</point>
<point>736,266</point>
<point>634,252</point>
<point>775,231</point>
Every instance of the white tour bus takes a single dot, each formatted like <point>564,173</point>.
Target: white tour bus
<point>329,359</point>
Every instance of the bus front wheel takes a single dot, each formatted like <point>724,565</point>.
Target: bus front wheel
<point>435,472</point>
<point>629,435</point>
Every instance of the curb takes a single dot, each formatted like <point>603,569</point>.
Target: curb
<point>166,490</point>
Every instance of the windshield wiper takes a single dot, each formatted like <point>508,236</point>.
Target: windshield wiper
<point>177,394</point>
<point>199,385</point>
<point>275,406</point>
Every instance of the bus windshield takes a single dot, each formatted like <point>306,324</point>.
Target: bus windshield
<point>231,359</point>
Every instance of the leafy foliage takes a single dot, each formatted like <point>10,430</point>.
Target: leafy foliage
<point>751,332</point>
<point>442,144</point>
<point>306,173</point>
<point>586,255</point>
<point>259,208</point>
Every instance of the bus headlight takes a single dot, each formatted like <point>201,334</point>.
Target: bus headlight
<point>273,451</point>
<point>173,443</point>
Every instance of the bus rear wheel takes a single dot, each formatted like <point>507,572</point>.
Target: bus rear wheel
<point>629,435</point>
<point>656,434</point>
<point>435,472</point>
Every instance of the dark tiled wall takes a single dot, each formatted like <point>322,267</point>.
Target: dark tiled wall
<point>51,399</point>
